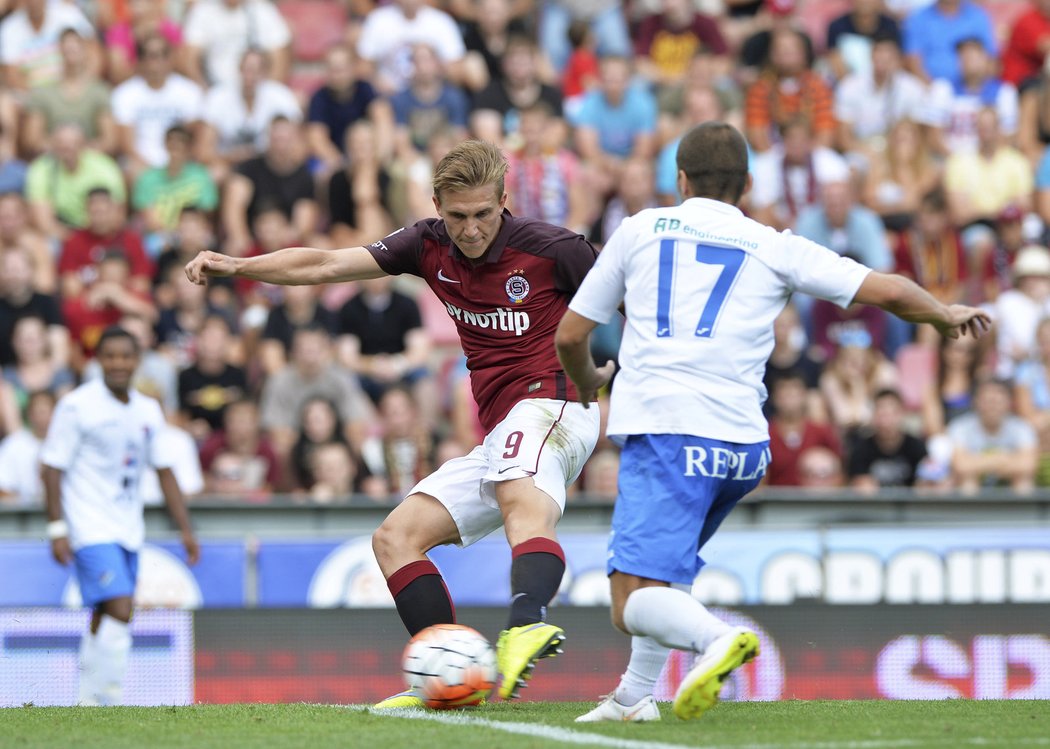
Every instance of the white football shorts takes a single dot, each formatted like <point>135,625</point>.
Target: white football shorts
<point>546,439</point>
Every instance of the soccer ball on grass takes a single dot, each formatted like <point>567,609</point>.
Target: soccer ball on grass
<point>450,666</point>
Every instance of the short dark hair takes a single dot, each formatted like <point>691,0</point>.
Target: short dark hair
<point>790,375</point>
<point>113,332</point>
<point>99,192</point>
<point>935,200</point>
<point>713,156</point>
<point>887,37</point>
<point>889,393</point>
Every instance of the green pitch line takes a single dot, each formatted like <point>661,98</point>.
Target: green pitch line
<point>536,725</point>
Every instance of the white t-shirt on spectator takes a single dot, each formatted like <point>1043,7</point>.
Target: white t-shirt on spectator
<point>151,111</point>
<point>225,110</point>
<point>1016,317</point>
<point>37,51</point>
<point>224,34</point>
<point>103,446</point>
<point>387,37</point>
<point>180,449</point>
<point>20,469</point>
<point>872,111</point>
<point>955,112</point>
<point>769,179</point>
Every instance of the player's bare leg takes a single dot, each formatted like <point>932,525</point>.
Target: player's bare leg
<point>104,653</point>
<point>400,544</point>
<point>529,519</point>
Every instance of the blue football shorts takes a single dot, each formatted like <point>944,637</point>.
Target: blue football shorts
<point>674,492</point>
<point>105,572</point>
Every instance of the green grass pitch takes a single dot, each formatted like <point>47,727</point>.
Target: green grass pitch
<point>536,725</point>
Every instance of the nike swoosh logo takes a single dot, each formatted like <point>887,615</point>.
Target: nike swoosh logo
<point>446,279</point>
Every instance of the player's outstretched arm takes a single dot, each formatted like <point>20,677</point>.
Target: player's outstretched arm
<point>909,301</point>
<point>293,266</point>
<point>573,341</point>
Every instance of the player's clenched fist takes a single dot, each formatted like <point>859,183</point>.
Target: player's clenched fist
<point>209,264</point>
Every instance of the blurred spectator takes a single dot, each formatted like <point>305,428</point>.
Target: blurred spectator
<point>701,104</point>
<point>993,446</point>
<point>146,105</point>
<point>15,232</point>
<point>950,393</point>
<point>238,460</point>
<point>1017,311</point>
<point>110,296</point>
<point>382,339</point>
<point>144,18</point>
<point>790,176</point>
<point>853,36</point>
<point>18,299</point>
<point>105,234</point>
<point>156,374</point>
<point>635,192</point>
<point>898,179</point>
<point>403,451</point>
<point>419,189</point>
<point>359,196</point>
<point>820,468</point>
<point>20,482</point>
<point>427,104</point>
<point>34,369</point>
<point>390,31</point>
<point>334,473</point>
<point>931,252</point>
<point>341,101</point>
<point>193,234</point>
<point>29,40</point>
<point>616,121</point>
<point>58,182</point>
<point>886,456</point>
<point>312,372</point>
<point>1033,119</point>
<point>496,108</point>
<point>319,425</point>
<point>298,310</point>
<point>982,183</point>
<point>871,102</point>
<point>997,272</point>
<point>179,322</point>
<point>238,113</point>
<point>543,179</point>
<point>604,17</point>
<point>181,450</point>
<point>581,71</point>
<point>601,477</point>
<point>955,103</point>
<point>79,95</point>
<point>10,415</point>
<point>487,35</point>
<point>665,42</point>
<point>1032,396</point>
<point>932,33</point>
<point>791,357</point>
<point>792,432</point>
<point>788,90</point>
<point>846,227</point>
<point>1042,196</point>
<point>218,32</point>
<point>281,177</point>
<point>1028,43</point>
<point>161,193</point>
<point>852,378</point>
<point>209,385</point>
<point>775,16</point>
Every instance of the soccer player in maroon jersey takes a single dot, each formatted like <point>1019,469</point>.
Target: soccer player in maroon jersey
<point>506,282</point>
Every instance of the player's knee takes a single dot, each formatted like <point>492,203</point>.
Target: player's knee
<point>616,615</point>
<point>387,539</point>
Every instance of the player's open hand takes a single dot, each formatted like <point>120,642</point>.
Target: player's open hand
<point>209,263</point>
<point>193,549</point>
<point>61,550</point>
<point>603,375</point>
<point>963,320</point>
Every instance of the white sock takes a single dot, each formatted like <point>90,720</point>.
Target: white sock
<point>647,661</point>
<point>673,618</point>
<point>112,645</point>
<point>89,688</point>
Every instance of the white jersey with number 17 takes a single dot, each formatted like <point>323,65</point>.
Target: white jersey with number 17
<point>702,284</point>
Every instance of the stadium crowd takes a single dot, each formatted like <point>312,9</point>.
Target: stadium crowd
<point>909,135</point>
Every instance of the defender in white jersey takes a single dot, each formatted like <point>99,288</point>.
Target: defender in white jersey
<point>101,439</point>
<point>701,284</point>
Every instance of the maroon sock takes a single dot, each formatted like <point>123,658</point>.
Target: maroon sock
<point>421,596</point>
<point>535,576</point>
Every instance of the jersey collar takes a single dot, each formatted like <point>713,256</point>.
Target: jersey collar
<point>714,205</point>
<point>495,251</point>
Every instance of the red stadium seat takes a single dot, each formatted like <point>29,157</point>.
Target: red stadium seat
<point>916,369</point>
<point>316,26</point>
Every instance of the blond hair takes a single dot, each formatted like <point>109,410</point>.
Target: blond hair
<point>469,165</point>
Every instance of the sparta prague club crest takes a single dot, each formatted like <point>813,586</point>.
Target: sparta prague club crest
<point>517,287</point>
